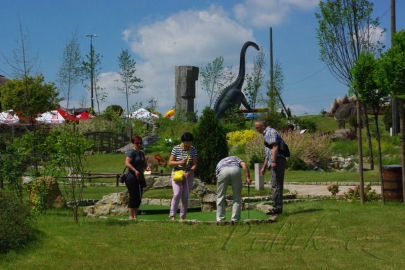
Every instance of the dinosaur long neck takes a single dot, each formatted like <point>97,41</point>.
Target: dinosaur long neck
<point>241,76</point>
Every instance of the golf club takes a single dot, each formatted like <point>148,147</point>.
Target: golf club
<point>248,200</point>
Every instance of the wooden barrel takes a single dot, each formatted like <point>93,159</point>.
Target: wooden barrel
<point>392,182</point>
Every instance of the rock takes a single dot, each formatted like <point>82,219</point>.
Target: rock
<point>102,209</point>
<point>342,133</point>
<point>208,206</point>
<point>26,180</point>
<point>166,202</point>
<point>54,196</point>
<point>155,202</point>
<point>264,207</point>
<point>111,204</point>
<point>161,182</point>
<point>210,197</point>
<point>89,211</point>
<point>116,203</point>
<point>199,188</point>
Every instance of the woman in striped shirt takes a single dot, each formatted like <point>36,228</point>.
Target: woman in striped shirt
<point>182,157</point>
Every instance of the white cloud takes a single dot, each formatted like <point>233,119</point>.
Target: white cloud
<point>374,34</point>
<point>185,38</point>
<point>269,12</point>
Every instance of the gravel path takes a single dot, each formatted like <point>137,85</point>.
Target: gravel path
<point>321,189</point>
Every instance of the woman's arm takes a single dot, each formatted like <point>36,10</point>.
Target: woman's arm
<point>174,163</point>
<point>129,166</point>
<point>194,166</point>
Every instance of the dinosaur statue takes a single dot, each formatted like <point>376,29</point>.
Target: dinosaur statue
<point>232,95</point>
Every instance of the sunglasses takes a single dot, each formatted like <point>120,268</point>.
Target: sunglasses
<point>138,143</point>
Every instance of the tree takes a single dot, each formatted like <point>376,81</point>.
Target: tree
<point>390,77</point>
<point>21,64</point>
<point>89,70</point>
<point>131,83</point>
<point>366,89</point>
<point>274,94</point>
<point>210,142</point>
<point>152,104</point>
<point>346,29</point>
<point>255,80</point>
<point>213,75</point>
<point>101,94</point>
<point>42,96</point>
<point>69,72</point>
<point>67,157</point>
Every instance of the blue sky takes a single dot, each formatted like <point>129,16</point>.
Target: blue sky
<point>161,34</point>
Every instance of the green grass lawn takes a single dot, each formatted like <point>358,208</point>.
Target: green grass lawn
<point>114,163</point>
<point>309,235</point>
<point>323,123</point>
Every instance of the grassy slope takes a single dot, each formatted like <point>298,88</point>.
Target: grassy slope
<point>312,235</point>
<point>323,123</point>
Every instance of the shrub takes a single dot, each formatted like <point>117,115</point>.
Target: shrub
<point>307,124</point>
<point>16,222</point>
<point>296,164</point>
<point>255,159</point>
<point>38,195</point>
<point>334,189</point>
<point>12,165</point>
<point>116,109</point>
<point>210,142</point>
<point>312,149</point>
<point>233,120</point>
<point>255,150</point>
<point>369,195</point>
<point>172,128</point>
<point>275,120</point>
<point>240,137</point>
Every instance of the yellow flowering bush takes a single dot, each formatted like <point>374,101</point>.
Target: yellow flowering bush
<point>240,137</point>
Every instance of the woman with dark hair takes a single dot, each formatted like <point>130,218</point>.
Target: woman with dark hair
<point>183,157</point>
<point>136,164</point>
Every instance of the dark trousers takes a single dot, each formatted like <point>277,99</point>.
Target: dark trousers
<point>135,191</point>
<point>277,183</point>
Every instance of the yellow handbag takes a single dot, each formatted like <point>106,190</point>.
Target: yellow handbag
<point>178,176</point>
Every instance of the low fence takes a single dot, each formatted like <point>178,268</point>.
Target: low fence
<point>100,175</point>
<point>107,141</point>
<point>14,131</point>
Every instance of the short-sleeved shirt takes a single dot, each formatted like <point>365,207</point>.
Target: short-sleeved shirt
<point>138,160</point>
<point>232,161</point>
<point>180,154</point>
<point>271,137</point>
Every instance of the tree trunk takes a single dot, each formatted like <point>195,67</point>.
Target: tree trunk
<point>370,146</point>
<point>379,156</point>
<point>360,150</point>
<point>402,128</point>
<point>75,214</point>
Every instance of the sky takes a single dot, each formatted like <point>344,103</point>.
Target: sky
<point>162,34</point>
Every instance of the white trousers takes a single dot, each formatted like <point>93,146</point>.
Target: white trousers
<point>229,176</point>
